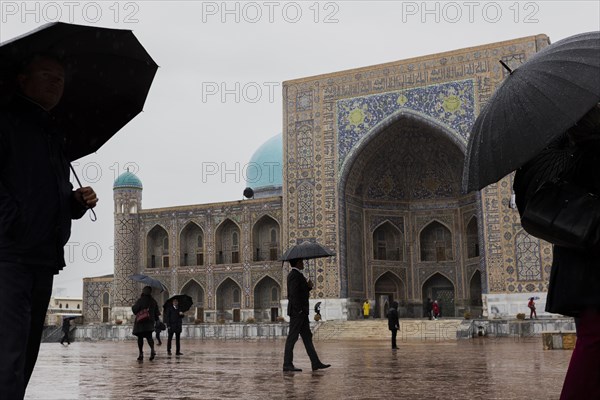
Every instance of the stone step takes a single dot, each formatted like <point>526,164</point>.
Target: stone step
<point>417,329</point>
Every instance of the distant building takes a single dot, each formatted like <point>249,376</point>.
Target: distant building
<point>372,166</point>
<point>96,299</point>
<point>60,307</point>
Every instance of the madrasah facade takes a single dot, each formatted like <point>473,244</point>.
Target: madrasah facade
<point>369,164</point>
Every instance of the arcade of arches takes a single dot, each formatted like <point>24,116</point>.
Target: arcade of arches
<point>266,247</point>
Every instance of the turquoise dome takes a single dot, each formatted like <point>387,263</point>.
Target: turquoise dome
<point>266,165</point>
<point>127,180</point>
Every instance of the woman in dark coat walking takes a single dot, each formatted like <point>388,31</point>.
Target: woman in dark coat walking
<point>144,329</point>
<point>574,287</point>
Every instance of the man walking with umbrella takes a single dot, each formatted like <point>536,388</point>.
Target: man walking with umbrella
<point>66,327</point>
<point>298,293</point>
<point>37,203</point>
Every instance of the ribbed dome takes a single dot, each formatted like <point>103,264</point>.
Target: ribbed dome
<point>264,171</point>
<point>127,180</point>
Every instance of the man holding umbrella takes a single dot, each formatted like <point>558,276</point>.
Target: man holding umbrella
<point>42,128</point>
<point>174,318</point>
<point>298,293</point>
<point>37,203</point>
<point>66,328</point>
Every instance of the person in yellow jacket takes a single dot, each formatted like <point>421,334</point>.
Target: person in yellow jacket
<point>366,308</point>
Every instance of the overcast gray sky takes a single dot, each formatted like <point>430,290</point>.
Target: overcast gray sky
<point>217,94</point>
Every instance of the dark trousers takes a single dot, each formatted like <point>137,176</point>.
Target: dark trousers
<point>177,343</point>
<point>158,337</point>
<point>24,294</point>
<point>65,338</point>
<point>394,333</point>
<point>299,326</point>
<point>140,340</point>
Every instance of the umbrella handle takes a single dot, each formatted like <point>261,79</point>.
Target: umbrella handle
<point>93,215</point>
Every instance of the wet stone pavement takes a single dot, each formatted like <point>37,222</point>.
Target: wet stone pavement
<point>481,368</point>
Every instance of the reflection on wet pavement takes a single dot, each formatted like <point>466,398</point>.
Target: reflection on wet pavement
<point>251,369</point>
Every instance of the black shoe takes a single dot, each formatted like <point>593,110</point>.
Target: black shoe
<point>320,366</point>
<point>169,352</point>
<point>178,354</point>
<point>159,344</point>
<point>140,357</point>
<point>291,368</point>
<point>152,355</point>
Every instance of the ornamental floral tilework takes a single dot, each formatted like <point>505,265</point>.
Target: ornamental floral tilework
<point>450,103</point>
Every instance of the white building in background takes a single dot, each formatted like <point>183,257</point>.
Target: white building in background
<point>60,307</point>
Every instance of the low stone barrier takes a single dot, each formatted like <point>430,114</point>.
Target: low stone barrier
<point>559,340</point>
<point>192,331</point>
<point>515,328</point>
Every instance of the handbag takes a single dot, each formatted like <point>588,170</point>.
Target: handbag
<point>142,315</point>
<point>563,214</point>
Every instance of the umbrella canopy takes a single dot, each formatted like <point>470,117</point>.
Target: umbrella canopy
<point>307,250</point>
<point>149,281</point>
<point>108,76</point>
<point>318,307</point>
<point>536,103</point>
<point>185,302</point>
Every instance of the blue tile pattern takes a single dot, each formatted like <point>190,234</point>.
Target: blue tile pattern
<point>452,104</point>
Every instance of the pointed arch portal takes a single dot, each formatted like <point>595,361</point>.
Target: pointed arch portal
<point>401,211</point>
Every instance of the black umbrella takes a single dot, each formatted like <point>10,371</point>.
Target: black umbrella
<point>536,103</point>
<point>317,316</point>
<point>307,250</point>
<point>185,302</point>
<point>318,308</point>
<point>108,76</point>
<point>149,281</point>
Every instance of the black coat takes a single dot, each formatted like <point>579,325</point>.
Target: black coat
<point>145,301</point>
<point>173,319</point>
<point>429,306</point>
<point>393,322</point>
<point>575,276</point>
<point>298,294</point>
<point>66,325</point>
<point>36,196</point>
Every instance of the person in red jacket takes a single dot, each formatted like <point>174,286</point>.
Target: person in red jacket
<point>436,310</point>
<point>531,305</point>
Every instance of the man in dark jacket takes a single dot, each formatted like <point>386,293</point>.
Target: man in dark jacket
<point>174,320</point>
<point>66,328</point>
<point>393,323</point>
<point>429,309</point>
<point>298,293</point>
<point>37,203</point>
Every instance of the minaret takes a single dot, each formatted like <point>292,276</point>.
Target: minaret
<point>127,193</point>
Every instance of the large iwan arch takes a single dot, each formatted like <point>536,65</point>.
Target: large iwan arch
<point>401,184</point>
